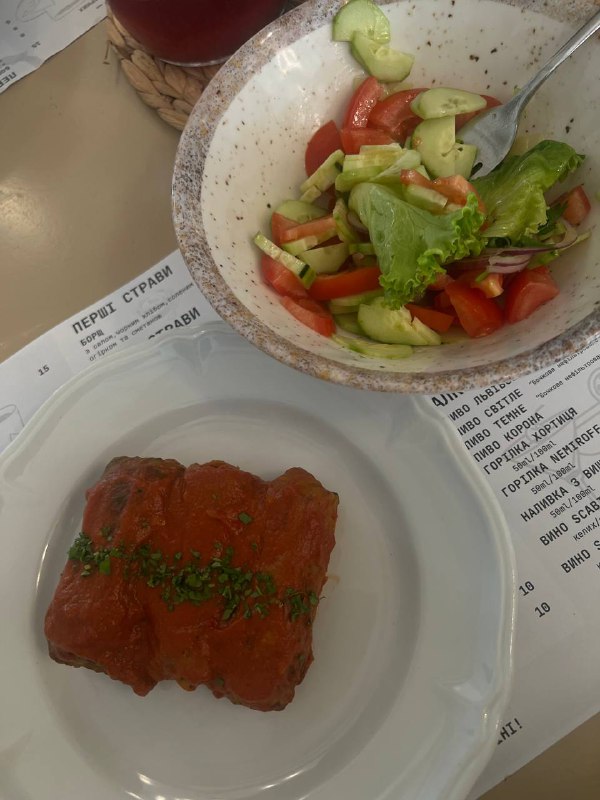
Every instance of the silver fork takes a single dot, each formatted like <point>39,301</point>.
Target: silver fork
<point>494,131</point>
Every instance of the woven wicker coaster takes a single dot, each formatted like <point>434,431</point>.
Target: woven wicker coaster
<point>172,91</point>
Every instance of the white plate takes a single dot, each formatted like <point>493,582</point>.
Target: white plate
<point>412,644</point>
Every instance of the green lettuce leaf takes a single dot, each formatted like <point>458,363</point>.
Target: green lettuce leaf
<point>412,244</point>
<point>514,192</point>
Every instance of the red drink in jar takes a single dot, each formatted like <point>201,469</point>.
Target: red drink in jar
<point>194,31</point>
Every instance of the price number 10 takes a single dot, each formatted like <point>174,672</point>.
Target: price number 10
<point>542,609</point>
<point>526,588</point>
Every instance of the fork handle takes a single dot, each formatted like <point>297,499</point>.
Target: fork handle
<point>583,34</point>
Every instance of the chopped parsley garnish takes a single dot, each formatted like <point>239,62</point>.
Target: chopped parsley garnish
<point>245,518</point>
<point>84,551</point>
<point>104,565</point>
<point>300,602</point>
<point>193,581</point>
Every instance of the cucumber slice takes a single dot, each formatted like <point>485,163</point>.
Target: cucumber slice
<point>392,326</point>
<point>442,155</point>
<point>379,59</point>
<point>409,159</point>
<point>441,102</point>
<point>298,246</point>
<point>346,180</point>
<point>352,302</point>
<point>434,140</point>
<point>373,158</point>
<point>326,259</point>
<point>393,87</point>
<point>433,338</point>
<point>393,147</point>
<point>372,349</point>
<point>301,270</point>
<point>465,158</point>
<point>299,211</point>
<point>344,230</point>
<point>324,176</point>
<point>312,193</point>
<point>348,322</point>
<point>358,58</point>
<point>363,16</point>
<point>423,197</point>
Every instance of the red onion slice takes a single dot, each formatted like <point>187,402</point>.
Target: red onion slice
<point>506,264</point>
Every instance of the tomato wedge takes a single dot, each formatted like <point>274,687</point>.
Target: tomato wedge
<point>457,189</point>
<point>436,320</point>
<point>280,278</point>
<point>528,291</point>
<point>279,224</point>
<point>462,119</point>
<point>354,138</point>
<point>412,177</point>
<point>478,315</point>
<point>316,227</point>
<point>362,102</point>
<point>311,314</point>
<point>578,205</point>
<point>441,301</point>
<point>322,144</point>
<point>342,284</point>
<point>394,114</point>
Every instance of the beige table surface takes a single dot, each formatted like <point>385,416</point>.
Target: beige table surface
<point>85,174</point>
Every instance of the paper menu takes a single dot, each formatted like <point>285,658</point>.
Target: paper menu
<point>536,440</point>
<point>33,30</point>
<point>162,299</point>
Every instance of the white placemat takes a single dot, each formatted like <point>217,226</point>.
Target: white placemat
<point>33,30</point>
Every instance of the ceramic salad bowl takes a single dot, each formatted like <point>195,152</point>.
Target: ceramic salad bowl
<point>242,153</point>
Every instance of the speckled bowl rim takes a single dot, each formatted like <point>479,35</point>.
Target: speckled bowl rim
<point>187,217</point>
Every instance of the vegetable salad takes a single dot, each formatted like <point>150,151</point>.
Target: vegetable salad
<point>393,239</point>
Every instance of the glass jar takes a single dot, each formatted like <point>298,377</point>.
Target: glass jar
<point>194,32</point>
